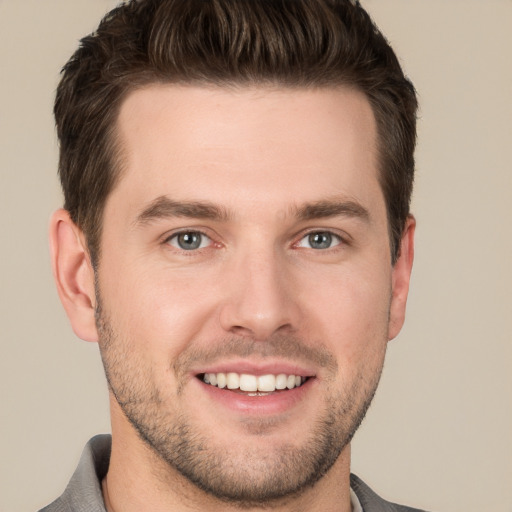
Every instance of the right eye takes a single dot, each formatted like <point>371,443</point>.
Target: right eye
<point>189,240</point>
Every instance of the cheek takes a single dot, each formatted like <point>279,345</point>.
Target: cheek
<point>351,312</point>
<point>164,308</point>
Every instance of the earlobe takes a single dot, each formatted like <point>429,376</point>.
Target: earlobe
<point>401,277</point>
<point>73,273</point>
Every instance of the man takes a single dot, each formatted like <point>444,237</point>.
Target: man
<point>236,237</point>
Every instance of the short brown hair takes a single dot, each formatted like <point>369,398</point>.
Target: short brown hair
<point>291,43</point>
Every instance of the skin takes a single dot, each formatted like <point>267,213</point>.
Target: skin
<point>273,166</point>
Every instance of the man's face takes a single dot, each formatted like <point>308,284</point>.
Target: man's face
<point>246,245</point>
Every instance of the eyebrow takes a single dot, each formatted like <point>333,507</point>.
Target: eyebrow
<point>332,208</point>
<point>163,207</point>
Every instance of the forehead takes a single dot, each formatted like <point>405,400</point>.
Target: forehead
<point>259,144</point>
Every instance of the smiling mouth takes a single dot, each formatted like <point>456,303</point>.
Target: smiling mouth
<point>254,385</point>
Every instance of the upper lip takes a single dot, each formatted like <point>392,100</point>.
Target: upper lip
<point>254,368</point>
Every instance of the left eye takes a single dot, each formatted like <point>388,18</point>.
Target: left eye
<point>189,240</point>
<point>320,240</point>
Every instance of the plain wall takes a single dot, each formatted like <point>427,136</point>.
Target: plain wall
<point>439,434</point>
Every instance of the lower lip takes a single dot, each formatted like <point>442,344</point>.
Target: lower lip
<point>273,403</point>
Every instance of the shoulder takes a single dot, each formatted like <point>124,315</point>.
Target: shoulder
<point>83,493</point>
<point>372,502</point>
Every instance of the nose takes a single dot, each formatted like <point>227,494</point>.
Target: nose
<point>260,298</point>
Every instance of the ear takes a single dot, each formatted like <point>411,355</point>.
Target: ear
<point>73,273</point>
<point>401,277</point>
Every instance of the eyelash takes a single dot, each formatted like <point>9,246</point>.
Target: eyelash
<point>341,240</point>
<point>175,236</point>
<point>336,238</point>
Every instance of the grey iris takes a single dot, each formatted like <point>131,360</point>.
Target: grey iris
<point>320,240</point>
<point>189,241</point>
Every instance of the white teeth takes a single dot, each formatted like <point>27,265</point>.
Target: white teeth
<point>281,380</point>
<point>221,380</point>
<point>266,383</point>
<point>233,380</point>
<point>248,382</point>
<point>252,383</point>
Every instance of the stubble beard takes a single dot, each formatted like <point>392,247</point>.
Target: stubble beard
<point>256,477</point>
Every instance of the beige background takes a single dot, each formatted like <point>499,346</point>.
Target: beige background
<point>439,433</point>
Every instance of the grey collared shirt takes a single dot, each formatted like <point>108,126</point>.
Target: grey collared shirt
<point>83,493</point>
